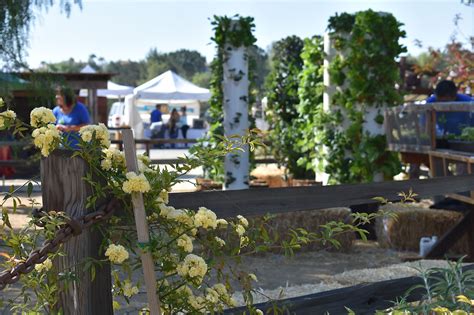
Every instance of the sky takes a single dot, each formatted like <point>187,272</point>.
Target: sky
<point>128,29</point>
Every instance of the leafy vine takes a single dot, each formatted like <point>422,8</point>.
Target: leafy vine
<point>281,113</point>
<point>310,108</point>
<point>365,73</point>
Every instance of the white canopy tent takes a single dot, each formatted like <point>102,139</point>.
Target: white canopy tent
<point>88,69</point>
<point>170,86</point>
<point>132,117</point>
<point>113,91</point>
<point>170,89</point>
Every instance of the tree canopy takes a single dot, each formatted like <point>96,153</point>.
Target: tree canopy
<point>16,18</point>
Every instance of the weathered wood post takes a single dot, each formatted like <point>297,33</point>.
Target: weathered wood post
<point>64,189</point>
<point>236,116</point>
<point>143,233</point>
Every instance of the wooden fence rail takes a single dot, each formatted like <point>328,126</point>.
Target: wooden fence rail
<point>147,142</point>
<point>280,200</point>
<point>362,299</point>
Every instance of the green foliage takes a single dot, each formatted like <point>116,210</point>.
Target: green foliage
<point>310,108</point>
<point>444,289</point>
<point>202,79</point>
<point>282,114</point>
<point>236,34</point>
<point>128,72</point>
<point>73,66</point>
<point>258,63</point>
<point>184,62</point>
<point>365,72</point>
<point>467,134</point>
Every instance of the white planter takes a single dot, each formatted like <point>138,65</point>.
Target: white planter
<point>235,88</point>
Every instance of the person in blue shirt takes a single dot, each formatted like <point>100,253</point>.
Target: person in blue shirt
<point>446,122</point>
<point>70,116</point>
<point>446,91</point>
<point>156,114</point>
<point>450,122</point>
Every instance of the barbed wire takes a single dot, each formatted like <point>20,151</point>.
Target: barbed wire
<point>73,227</point>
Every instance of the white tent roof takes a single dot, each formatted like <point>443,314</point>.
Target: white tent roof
<point>88,69</point>
<point>170,86</point>
<point>113,90</point>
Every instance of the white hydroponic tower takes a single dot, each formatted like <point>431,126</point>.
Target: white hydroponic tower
<point>235,106</point>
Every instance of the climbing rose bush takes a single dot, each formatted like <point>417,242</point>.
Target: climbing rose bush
<point>7,118</point>
<point>46,139</point>
<point>136,183</point>
<point>45,266</point>
<point>41,116</point>
<point>112,159</point>
<point>187,246</point>
<point>98,132</point>
<point>117,254</point>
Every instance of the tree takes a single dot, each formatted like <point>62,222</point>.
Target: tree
<point>128,72</point>
<point>454,62</point>
<point>16,19</point>
<point>66,66</point>
<point>184,62</point>
<point>260,66</point>
<point>202,79</point>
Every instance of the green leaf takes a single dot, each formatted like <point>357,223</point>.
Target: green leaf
<point>92,272</point>
<point>29,189</point>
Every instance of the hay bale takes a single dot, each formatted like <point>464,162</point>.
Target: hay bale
<point>207,184</point>
<point>272,174</point>
<point>414,222</point>
<point>311,221</point>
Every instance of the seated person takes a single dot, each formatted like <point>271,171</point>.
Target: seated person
<point>156,114</point>
<point>446,122</point>
<point>70,116</point>
<point>450,122</point>
<point>183,122</point>
<point>173,125</point>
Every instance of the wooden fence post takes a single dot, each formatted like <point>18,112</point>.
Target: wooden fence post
<point>142,226</point>
<point>64,189</point>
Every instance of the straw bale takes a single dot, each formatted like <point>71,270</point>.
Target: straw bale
<point>272,174</point>
<point>281,224</point>
<point>414,222</point>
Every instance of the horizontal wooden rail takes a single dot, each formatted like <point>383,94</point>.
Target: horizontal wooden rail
<point>441,107</point>
<point>362,299</point>
<point>15,143</point>
<point>280,200</point>
<point>178,161</point>
<point>17,163</point>
<point>157,141</point>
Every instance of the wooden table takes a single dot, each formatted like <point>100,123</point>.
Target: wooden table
<point>452,163</point>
